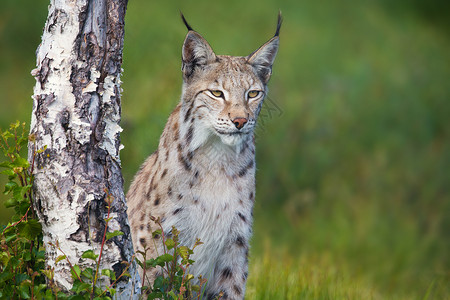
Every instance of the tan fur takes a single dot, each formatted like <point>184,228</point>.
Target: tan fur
<point>201,179</point>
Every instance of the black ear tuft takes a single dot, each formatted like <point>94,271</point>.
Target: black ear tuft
<point>280,21</point>
<point>185,22</point>
<point>263,58</point>
<point>196,53</point>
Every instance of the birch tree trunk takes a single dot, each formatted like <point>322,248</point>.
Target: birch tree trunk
<point>76,115</point>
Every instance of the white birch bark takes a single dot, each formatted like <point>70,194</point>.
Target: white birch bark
<point>76,115</point>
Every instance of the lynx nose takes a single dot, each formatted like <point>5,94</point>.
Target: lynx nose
<point>239,122</point>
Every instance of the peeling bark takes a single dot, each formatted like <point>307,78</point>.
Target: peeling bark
<point>76,115</point>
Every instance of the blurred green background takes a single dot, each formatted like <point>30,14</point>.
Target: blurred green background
<point>353,181</point>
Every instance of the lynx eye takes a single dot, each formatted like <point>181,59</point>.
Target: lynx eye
<point>253,94</point>
<point>216,93</point>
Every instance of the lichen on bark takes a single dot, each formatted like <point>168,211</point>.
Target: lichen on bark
<point>76,116</point>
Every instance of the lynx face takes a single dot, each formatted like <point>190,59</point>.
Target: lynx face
<point>225,92</point>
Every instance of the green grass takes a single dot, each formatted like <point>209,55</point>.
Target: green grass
<point>353,188</point>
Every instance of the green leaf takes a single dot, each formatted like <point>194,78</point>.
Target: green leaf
<point>30,229</point>
<point>110,235</point>
<point>10,186</point>
<point>24,292</point>
<point>184,252</point>
<point>21,162</point>
<point>195,288</point>
<point>160,260</point>
<point>170,244</point>
<point>14,125</point>
<point>81,286</point>
<point>90,255</point>
<point>75,297</point>
<point>27,256</point>
<point>75,271</point>
<point>11,202</point>
<point>7,135</point>
<point>109,273</point>
<point>6,164</point>
<point>10,173</point>
<point>5,276</point>
<point>148,263</point>
<point>60,258</point>
<point>9,238</point>
<point>88,273</point>
<point>112,291</point>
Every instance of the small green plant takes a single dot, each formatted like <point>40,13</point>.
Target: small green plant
<point>23,274</point>
<point>86,280</point>
<point>175,281</point>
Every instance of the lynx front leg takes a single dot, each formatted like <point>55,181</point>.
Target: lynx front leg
<point>231,271</point>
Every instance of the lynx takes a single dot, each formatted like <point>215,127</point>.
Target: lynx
<point>201,179</point>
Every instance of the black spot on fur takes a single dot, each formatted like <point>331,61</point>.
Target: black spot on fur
<point>190,155</point>
<point>180,196</point>
<point>142,241</point>
<point>188,113</point>
<point>251,196</point>
<point>243,218</point>
<point>245,169</point>
<point>226,273</point>
<point>177,210</point>
<point>167,154</point>
<point>157,200</point>
<point>141,227</point>
<point>164,173</point>
<point>190,134</point>
<point>169,191</point>
<point>237,289</point>
<point>240,241</point>
<point>185,162</point>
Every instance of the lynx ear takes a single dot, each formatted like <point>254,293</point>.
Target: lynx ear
<point>263,58</point>
<point>196,51</point>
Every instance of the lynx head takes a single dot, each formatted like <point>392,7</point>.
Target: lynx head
<point>224,93</point>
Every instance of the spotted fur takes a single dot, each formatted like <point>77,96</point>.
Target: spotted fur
<point>201,179</point>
